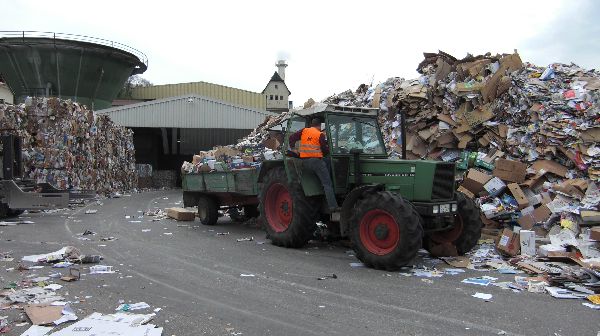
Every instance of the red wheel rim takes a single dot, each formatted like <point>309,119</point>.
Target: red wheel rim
<point>379,232</point>
<point>451,235</point>
<point>278,207</point>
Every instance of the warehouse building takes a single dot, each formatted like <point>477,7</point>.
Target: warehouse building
<point>274,98</point>
<point>169,131</point>
<point>174,121</point>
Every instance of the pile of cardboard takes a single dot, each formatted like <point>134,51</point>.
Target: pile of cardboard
<point>261,144</point>
<point>524,139</point>
<point>225,158</point>
<point>68,146</point>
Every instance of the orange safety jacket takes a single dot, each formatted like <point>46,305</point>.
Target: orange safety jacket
<point>310,144</point>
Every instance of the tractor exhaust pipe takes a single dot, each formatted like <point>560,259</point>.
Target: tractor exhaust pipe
<point>357,173</point>
<point>403,133</point>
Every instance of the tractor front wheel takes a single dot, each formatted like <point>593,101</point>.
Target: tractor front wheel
<point>386,232</point>
<point>288,216</point>
<point>466,230</point>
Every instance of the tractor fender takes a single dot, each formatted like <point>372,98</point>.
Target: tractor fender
<point>349,202</point>
<point>266,166</point>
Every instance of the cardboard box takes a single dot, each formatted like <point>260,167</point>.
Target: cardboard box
<point>475,180</point>
<point>494,186</point>
<point>509,170</point>
<point>489,223</point>
<point>591,135</point>
<point>527,242</point>
<point>248,158</point>
<point>569,190</point>
<point>466,191</point>
<point>546,166</point>
<point>589,216</point>
<point>197,159</point>
<point>483,164</point>
<point>43,314</point>
<point>542,198</point>
<point>595,233</point>
<point>532,217</point>
<point>226,152</point>
<point>519,195</point>
<point>545,250</point>
<point>181,214</point>
<point>509,243</point>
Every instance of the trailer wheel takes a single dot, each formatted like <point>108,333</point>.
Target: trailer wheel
<point>4,210</point>
<point>289,217</point>
<point>385,231</point>
<point>14,213</point>
<point>467,227</point>
<point>208,210</point>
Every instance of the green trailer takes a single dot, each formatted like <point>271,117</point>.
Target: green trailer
<point>233,190</point>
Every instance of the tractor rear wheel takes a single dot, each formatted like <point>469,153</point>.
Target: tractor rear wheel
<point>208,210</point>
<point>467,227</point>
<point>386,233</point>
<point>288,216</point>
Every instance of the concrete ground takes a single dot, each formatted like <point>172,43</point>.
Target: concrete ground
<point>196,277</point>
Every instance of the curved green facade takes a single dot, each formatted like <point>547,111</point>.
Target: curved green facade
<point>86,72</point>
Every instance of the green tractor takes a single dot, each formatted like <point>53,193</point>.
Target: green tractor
<point>390,208</point>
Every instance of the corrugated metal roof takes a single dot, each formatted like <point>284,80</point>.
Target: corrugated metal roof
<point>188,111</point>
<point>220,92</point>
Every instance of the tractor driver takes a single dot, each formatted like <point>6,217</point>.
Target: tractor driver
<point>313,146</point>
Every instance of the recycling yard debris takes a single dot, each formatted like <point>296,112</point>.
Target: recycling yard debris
<point>65,144</point>
<point>481,173</point>
<point>522,138</point>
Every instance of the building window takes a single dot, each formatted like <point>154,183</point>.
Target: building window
<point>271,97</point>
<point>280,97</point>
<point>276,86</point>
<point>276,97</point>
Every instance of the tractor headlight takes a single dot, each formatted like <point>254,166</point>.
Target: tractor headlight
<point>445,208</point>
<point>454,207</point>
<point>436,209</point>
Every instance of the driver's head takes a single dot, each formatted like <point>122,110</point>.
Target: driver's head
<point>316,122</point>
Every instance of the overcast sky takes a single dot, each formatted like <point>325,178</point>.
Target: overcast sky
<point>330,46</point>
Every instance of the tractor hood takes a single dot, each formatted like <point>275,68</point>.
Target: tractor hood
<point>416,180</point>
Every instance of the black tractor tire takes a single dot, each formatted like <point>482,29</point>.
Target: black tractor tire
<point>288,216</point>
<point>467,229</point>
<point>208,210</point>
<point>386,232</point>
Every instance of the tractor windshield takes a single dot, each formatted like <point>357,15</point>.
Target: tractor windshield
<point>350,132</point>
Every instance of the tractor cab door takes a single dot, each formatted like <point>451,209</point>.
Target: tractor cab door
<point>346,135</point>
<point>293,164</point>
